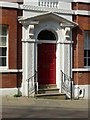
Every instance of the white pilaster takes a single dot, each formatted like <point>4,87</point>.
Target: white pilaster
<point>25,63</point>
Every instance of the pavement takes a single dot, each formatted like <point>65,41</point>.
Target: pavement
<point>25,101</point>
<point>24,107</point>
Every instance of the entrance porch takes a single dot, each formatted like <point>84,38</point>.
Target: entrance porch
<point>47,50</point>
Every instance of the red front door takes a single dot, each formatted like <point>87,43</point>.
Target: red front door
<point>46,63</point>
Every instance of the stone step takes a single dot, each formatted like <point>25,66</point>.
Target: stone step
<point>47,86</point>
<point>60,96</point>
<point>48,90</point>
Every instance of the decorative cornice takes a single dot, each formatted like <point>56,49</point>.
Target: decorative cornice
<point>45,9</point>
<point>56,10</point>
<point>9,5</point>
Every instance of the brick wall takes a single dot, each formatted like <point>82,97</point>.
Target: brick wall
<point>80,6</point>
<point>81,78</point>
<point>78,46</point>
<point>78,38</point>
<point>9,18</point>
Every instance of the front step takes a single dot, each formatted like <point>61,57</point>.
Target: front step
<point>49,92</point>
<point>60,96</point>
<point>47,86</point>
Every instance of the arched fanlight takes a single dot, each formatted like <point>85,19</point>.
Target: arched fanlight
<point>46,35</point>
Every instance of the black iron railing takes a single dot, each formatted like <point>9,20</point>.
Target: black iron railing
<point>67,84</point>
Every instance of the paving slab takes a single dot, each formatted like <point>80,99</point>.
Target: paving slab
<point>25,101</point>
<point>24,107</point>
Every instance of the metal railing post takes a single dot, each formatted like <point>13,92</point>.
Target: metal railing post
<point>71,88</point>
<point>28,88</point>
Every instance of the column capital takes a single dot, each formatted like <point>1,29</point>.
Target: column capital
<point>67,32</point>
<point>31,31</point>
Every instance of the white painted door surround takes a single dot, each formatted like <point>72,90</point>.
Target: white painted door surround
<point>61,28</point>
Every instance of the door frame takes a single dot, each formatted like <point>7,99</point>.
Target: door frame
<point>58,82</point>
<point>59,37</point>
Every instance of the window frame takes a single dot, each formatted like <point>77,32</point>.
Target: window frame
<point>86,48</point>
<point>6,46</point>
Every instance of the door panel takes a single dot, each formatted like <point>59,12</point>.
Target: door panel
<point>47,63</point>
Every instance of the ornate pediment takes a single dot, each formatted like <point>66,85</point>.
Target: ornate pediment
<point>47,16</point>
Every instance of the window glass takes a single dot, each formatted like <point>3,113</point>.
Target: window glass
<point>3,61</point>
<point>87,48</point>
<point>3,46</point>
<point>2,41</point>
<point>85,53</point>
<point>88,53</point>
<point>3,30</point>
<point>89,40</point>
<point>88,61</point>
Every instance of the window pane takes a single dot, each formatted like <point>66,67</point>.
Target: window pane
<point>2,61</point>
<point>85,53</point>
<point>85,39</point>
<point>89,43</point>
<point>3,30</point>
<point>89,40</point>
<point>88,53</point>
<point>3,51</point>
<point>88,61</point>
<point>85,61</point>
<point>2,41</point>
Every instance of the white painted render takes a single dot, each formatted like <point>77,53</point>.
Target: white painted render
<point>9,4</point>
<point>10,70</point>
<point>85,91</point>
<point>67,1</point>
<point>8,91</point>
<point>80,69</point>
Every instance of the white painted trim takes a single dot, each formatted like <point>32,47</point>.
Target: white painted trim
<point>81,12</point>
<point>46,41</point>
<point>10,70</point>
<point>8,91</point>
<point>9,5</point>
<point>56,10</point>
<point>83,1</point>
<point>46,9</point>
<point>80,69</point>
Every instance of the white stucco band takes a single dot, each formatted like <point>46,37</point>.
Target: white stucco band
<point>8,91</point>
<point>9,5</point>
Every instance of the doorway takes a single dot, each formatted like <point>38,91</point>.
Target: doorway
<point>46,58</point>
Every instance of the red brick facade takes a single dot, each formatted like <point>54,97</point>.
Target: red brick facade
<point>78,46</point>
<point>9,18</point>
<point>81,6</point>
